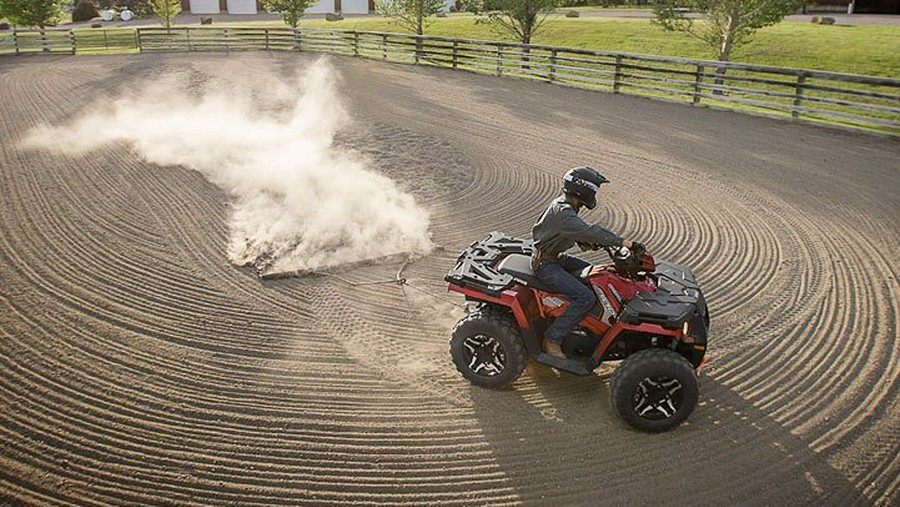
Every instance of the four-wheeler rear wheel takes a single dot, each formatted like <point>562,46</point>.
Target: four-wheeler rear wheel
<point>654,390</point>
<point>487,349</point>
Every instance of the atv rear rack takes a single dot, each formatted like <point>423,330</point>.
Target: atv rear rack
<point>476,265</point>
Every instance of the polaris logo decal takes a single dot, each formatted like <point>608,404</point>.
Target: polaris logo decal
<point>609,312</point>
<point>615,293</point>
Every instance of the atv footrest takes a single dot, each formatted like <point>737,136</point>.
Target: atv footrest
<point>576,366</point>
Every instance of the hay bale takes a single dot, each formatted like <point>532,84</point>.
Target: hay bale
<point>331,16</point>
<point>205,21</point>
<point>96,25</point>
<point>573,14</point>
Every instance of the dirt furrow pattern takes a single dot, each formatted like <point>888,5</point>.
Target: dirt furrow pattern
<point>138,366</point>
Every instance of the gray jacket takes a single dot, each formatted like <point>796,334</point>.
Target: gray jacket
<point>560,227</point>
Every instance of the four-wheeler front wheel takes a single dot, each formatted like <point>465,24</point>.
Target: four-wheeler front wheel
<point>654,390</point>
<point>487,349</point>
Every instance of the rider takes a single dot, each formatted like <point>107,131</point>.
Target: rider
<point>557,230</point>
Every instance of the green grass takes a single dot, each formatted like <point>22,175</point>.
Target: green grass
<point>599,8</point>
<point>870,50</point>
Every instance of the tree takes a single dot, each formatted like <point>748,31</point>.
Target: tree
<point>290,10</point>
<point>729,23</point>
<point>39,13</point>
<point>521,19</point>
<point>166,10</point>
<point>412,15</point>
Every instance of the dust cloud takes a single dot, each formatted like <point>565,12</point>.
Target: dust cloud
<point>300,202</point>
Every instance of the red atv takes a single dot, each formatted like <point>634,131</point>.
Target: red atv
<point>652,316</point>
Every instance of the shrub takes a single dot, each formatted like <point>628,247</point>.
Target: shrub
<point>37,13</point>
<point>84,11</point>
<point>138,7</point>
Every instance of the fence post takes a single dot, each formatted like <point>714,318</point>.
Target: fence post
<point>499,68</point>
<point>698,80</point>
<point>266,31</point>
<point>44,46</point>
<point>16,40</point>
<point>137,40</point>
<point>617,77</point>
<point>384,46</point>
<point>187,32</point>
<point>552,76</point>
<point>418,47</point>
<point>105,41</point>
<point>72,40</point>
<point>355,43</point>
<point>798,95</point>
<point>298,39</point>
<point>455,53</point>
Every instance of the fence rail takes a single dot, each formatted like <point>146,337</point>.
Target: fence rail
<point>846,100</point>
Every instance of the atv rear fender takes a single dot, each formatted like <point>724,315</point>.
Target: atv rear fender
<point>520,302</point>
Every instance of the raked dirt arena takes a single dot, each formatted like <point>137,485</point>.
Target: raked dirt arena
<point>138,364</point>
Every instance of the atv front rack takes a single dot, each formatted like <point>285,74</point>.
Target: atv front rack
<point>676,300</point>
<point>476,265</point>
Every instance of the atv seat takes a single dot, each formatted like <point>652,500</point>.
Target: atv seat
<point>519,266</point>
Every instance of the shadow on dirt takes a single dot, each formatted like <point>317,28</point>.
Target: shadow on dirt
<point>557,439</point>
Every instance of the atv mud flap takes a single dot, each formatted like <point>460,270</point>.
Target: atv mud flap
<point>699,369</point>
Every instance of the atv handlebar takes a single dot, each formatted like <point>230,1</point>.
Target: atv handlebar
<point>637,249</point>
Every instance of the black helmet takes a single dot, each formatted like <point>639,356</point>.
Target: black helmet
<point>583,183</point>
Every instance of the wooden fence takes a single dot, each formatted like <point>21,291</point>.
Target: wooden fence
<point>846,100</point>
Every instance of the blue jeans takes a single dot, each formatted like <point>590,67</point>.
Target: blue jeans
<point>558,276</point>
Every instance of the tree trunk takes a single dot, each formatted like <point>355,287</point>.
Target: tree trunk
<point>725,50</point>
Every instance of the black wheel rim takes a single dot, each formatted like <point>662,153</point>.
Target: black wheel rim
<point>658,398</point>
<point>484,355</point>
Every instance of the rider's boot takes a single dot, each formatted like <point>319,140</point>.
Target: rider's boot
<point>553,349</point>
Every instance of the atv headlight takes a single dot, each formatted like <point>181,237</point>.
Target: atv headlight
<point>685,328</point>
